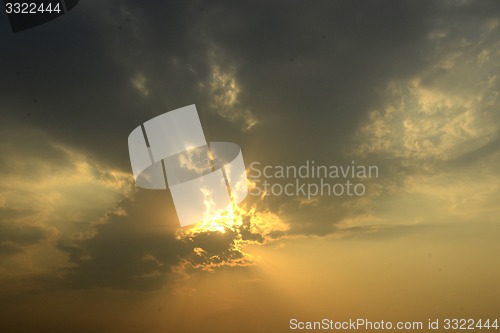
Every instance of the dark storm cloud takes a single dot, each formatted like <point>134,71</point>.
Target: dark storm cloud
<point>300,68</point>
<point>304,68</point>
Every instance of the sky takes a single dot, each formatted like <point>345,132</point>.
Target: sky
<point>411,87</point>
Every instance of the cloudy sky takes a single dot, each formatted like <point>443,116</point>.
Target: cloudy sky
<point>409,86</point>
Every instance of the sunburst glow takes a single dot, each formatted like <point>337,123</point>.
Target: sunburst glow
<point>238,226</point>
